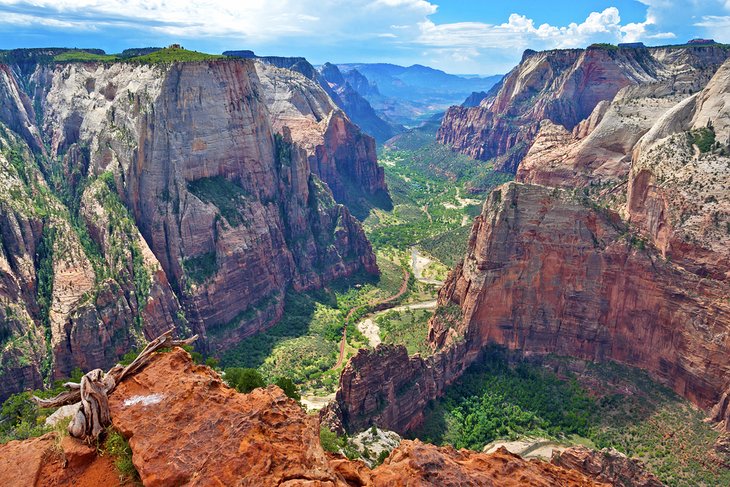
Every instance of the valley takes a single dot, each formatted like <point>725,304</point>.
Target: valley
<point>544,270</point>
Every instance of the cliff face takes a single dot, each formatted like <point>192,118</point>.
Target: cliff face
<point>354,104</point>
<point>343,95</point>
<point>547,272</point>
<point>677,187</point>
<point>386,387</point>
<point>66,302</point>
<point>186,427</point>
<point>564,87</point>
<point>338,152</point>
<point>172,185</point>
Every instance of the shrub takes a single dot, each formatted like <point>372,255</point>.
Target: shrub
<point>328,440</point>
<point>116,446</point>
<point>244,379</point>
<point>289,388</point>
<point>201,267</point>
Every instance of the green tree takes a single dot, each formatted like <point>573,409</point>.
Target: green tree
<point>244,379</point>
<point>289,388</point>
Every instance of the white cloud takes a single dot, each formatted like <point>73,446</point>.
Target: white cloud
<point>422,6</point>
<point>521,31</point>
<point>400,29</point>
<point>258,20</point>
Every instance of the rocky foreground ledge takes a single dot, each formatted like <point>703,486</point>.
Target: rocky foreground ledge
<point>186,427</point>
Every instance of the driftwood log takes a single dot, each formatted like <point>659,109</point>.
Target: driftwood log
<point>92,393</point>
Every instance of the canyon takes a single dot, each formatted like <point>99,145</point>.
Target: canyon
<point>611,246</point>
<point>139,197</point>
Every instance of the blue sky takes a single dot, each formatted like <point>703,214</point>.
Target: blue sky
<point>481,37</point>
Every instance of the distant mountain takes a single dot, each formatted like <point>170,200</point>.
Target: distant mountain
<point>409,95</point>
<point>342,93</point>
<point>355,105</point>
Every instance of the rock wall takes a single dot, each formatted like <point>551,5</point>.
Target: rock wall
<point>387,388</point>
<point>564,87</point>
<point>338,152</point>
<point>65,305</point>
<point>172,195</point>
<point>548,272</point>
<point>266,438</point>
<point>678,193</point>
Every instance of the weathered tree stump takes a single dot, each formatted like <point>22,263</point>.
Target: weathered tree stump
<point>92,393</point>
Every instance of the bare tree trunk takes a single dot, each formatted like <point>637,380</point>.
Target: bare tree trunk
<point>92,393</point>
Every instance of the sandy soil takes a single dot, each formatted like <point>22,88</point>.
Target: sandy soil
<point>541,448</point>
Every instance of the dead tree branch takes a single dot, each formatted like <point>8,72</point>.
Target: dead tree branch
<point>92,393</point>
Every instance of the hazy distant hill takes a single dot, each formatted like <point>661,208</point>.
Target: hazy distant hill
<point>407,95</point>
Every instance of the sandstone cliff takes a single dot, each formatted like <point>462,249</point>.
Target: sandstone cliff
<point>186,427</point>
<point>66,301</point>
<point>564,87</point>
<point>169,183</point>
<point>549,272</point>
<point>338,152</point>
<point>632,266</point>
<point>344,96</point>
<point>354,104</point>
<point>607,466</point>
<point>678,184</point>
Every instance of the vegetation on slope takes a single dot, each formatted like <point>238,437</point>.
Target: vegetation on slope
<point>436,193</point>
<point>84,56</point>
<point>173,55</point>
<point>406,327</point>
<point>303,345</point>
<point>167,55</point>
<point>606,405</point>
<point>225,195</point>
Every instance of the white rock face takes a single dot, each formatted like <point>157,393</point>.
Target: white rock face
<point>296,102</point>
<point>680,196</point>
<point>88,100</point>
<point>713,105</point>
<point>598,150</point>
<point>372,442</point>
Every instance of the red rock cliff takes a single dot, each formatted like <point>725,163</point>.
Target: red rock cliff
<point>172,192</point>
<point>563,86</point>
<point>546,272</point>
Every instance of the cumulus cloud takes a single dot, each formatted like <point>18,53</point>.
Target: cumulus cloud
<point>521,31</point>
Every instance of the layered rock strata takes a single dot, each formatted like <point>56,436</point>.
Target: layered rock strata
<point>564,87</point>
<point>186,427</point>
<point>174,191</point>
<point>548,272</point>
<point>337,151</point>
<point>606,466</point>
